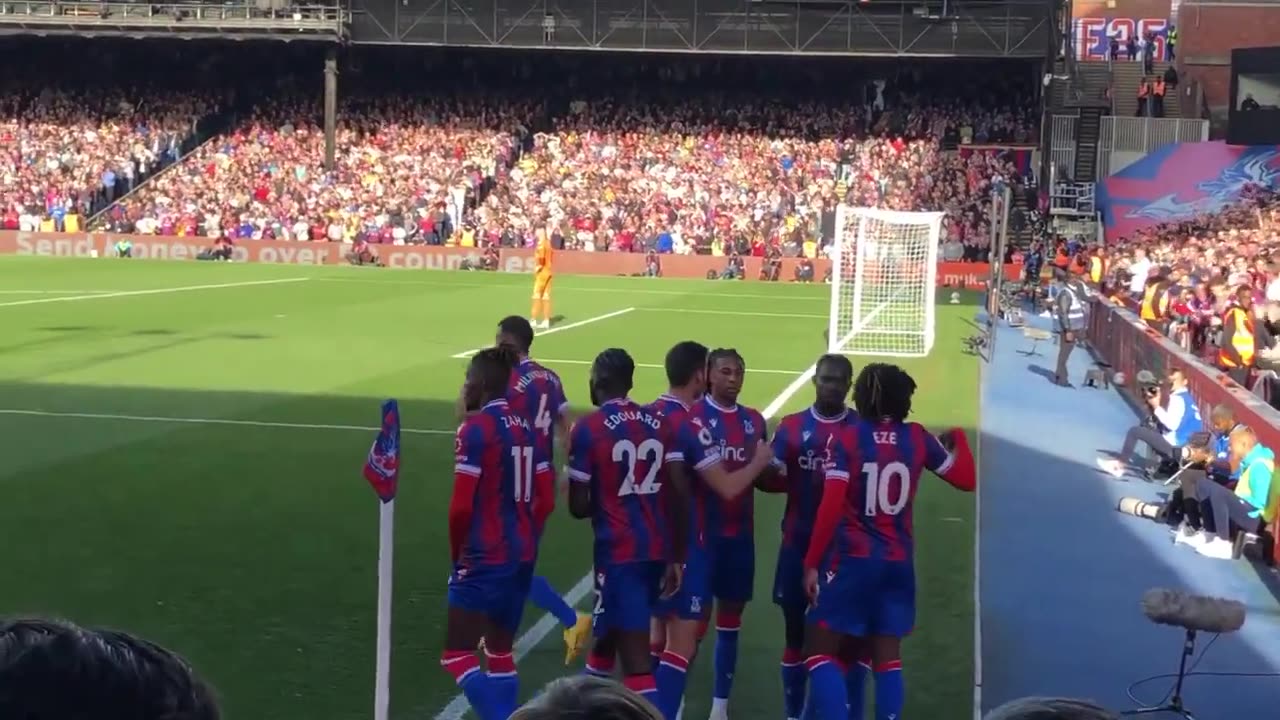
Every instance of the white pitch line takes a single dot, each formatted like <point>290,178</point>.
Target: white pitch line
<point>743,313</point>
<point>532,637</point>
<point>654,366</point>
<point>208,421</point>
<point>54,292</point>
<point>571,289</point>
<point>153,291</point>
<point>558,328</point>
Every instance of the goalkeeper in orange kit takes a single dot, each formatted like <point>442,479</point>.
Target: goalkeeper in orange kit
<point>540,315</point>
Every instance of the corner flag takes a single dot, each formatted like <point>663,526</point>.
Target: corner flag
<point>382,470</point>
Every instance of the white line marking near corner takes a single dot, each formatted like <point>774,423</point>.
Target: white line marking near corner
<point>558,328</point>
<point>153,291</point>
<point>207,421</point>
<point>532,637</point>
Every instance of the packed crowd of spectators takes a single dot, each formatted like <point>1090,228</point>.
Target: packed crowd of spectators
<point>612,154</point>
<point>1184,277</point>
<point>71,144</point>
<point>404,171</point>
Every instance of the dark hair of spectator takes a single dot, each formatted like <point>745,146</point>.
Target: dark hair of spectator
<point>683,361</point>
<point>842,362</point>
<point>614,373</point>
<point>492,368</point>
<point>883,392</point>
<point>582,697</point>
<point>518,331</point>
<point>54,670</point>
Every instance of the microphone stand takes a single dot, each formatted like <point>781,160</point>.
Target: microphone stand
<point>1174,706</point>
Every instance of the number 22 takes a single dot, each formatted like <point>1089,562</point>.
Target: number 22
<point>625,451</point>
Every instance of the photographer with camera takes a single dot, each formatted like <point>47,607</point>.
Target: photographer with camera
<point>1250,504</point>
<point>1168,428</point>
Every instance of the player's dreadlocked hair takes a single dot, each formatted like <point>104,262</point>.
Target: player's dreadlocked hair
<point>493,368</point>
<point>721,354</point>
<point>883,391</point>
<point>615,371</point>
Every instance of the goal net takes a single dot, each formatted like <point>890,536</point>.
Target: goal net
<point>883,281</point>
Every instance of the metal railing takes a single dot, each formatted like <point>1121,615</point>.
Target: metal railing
<point>267,15</point>
<point>1122,140</point>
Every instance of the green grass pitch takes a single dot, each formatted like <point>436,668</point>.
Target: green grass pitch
<point>251,547</point>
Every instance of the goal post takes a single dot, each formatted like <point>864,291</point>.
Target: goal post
<point>883,282</point>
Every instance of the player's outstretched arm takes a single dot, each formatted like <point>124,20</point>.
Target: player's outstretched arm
<point>828,517</point>
<point>729,485</point>
<point>958,467</point>
<point>773,479</point>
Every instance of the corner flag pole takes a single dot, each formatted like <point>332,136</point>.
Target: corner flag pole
<point>382,470</point>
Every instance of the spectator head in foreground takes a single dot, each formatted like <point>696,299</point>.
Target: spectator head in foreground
<point>53,670</point>
<point>584,697</point>
<point>1050,709</point>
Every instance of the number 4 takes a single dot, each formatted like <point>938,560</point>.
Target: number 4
<point>880,482</point>
<point>542,420</point>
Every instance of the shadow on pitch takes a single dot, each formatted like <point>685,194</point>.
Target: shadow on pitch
<point>234,541</point>
<point>1063,574</point>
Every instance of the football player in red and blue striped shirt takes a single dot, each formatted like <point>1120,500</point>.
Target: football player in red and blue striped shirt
<point>801,444</point>
<point>627,476</point>
<point>859,572</point>
<point>681,618</point>
<point>737,429</point>
<point>504,489</point>
<point>537,393</point>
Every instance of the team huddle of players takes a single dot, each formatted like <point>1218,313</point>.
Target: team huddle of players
<point>669,489</point>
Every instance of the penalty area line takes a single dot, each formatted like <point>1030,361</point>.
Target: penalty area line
<point>208,421</point>
<point>553,330</point>
<point>539,631</point>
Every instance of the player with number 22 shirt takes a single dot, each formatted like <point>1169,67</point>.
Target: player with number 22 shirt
<point>858,569</point>
<point>627,476</point>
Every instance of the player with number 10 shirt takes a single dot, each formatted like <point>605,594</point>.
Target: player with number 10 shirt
<point>859,570</point>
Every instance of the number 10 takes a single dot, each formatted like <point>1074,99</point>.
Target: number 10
<point>879,483</point>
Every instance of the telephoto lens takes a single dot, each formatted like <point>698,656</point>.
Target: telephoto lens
<point>1139,508</point>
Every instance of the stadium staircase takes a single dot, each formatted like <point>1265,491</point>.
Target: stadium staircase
<point>1125,77</point>
<point>1088,135</point>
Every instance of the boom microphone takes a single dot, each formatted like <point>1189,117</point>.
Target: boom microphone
<point>1139,508</point>
<point>1196,613</point>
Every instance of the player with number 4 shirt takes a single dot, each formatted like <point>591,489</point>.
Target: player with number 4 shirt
<point>859,571</point>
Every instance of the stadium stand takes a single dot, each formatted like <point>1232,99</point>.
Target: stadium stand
<point>70,145</point>
<point>612,154</point>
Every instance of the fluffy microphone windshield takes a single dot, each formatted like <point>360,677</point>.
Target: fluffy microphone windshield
<point>1192,612</point>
